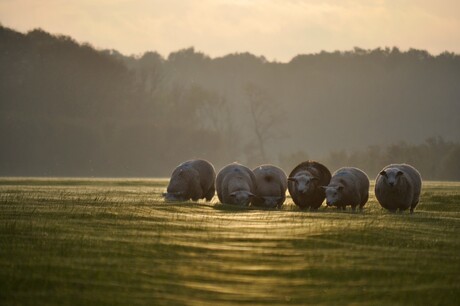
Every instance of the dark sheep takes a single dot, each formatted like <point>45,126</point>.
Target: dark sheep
<point>271,186</point>
<point>398,186</point>
<point>305,184</point>
<point>348,186</point>
<point>193,179</point>
<point>235,185</point>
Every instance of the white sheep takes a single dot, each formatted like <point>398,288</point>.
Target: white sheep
<point>398,186</point>
<point>348,186</point>
<point>271,186</point>
<point>235,184</point>
<point>193,179</point>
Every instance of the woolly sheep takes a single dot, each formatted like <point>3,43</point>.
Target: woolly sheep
<point>398,186</point>
<point>235,184</point>
<point>305,182</point>
<point>271,186</point>
<point>193,179</point>
<point>348,186</point>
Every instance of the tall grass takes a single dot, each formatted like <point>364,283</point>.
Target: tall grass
<point>115,242</point>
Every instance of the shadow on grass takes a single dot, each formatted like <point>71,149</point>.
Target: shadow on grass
<point>228,208</point>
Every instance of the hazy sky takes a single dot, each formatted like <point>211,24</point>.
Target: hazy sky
<point>277,29</point>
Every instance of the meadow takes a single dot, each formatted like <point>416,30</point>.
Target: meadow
<point>116,242</point>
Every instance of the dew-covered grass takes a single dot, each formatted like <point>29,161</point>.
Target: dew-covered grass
<point>116,242</point>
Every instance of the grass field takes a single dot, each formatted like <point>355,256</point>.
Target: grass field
<point>115,242</point>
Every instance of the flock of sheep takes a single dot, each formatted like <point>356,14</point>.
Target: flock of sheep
<point>397,186</point>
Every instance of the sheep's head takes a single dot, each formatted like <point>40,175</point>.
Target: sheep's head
<point>174,196</point>
<point>392,176</point>
<point>333,194</point>
<point>304,182</point>
<point>271,202</point>
<point>241,197</point>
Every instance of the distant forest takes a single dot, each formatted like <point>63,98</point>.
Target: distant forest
<point>68,109</point>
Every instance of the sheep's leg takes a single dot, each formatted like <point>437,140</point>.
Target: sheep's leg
<point>210,194</point>
<point>412,207</point>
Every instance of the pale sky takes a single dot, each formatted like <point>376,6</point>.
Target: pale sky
<point>277,29</point>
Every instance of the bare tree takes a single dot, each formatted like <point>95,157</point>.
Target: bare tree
<point>266,116</point>
<point>215,115</point>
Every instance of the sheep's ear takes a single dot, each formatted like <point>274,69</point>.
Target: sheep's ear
<point>292,179</point>
<point>324,187</point>
<point>314,178</point>
<point>251,195</point>
<point>399,173</point>
<point>383,173</point>
<point>233,194</point>
<point>340,188</point>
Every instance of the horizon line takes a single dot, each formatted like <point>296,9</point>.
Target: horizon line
<point>206,55</point>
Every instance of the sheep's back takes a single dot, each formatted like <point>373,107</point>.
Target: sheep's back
<point>270,180</point>
<point>206,172</point>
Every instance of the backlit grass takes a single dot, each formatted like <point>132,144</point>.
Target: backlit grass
<point>115,242</point>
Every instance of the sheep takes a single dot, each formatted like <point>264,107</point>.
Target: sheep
<point>348,186</point>
<point>305,182</point>
<point>398,186</point>
<point>235,185</point>
<point>271,186</point>
<point>193,179</point>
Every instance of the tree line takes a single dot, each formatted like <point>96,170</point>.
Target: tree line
<point>68,109</point>
<point>435,158</point>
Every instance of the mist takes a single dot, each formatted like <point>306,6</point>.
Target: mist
<point>68,109</point>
